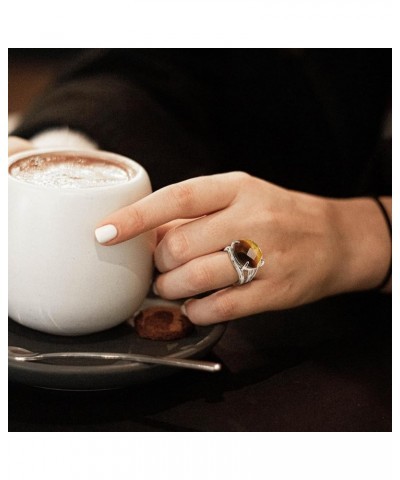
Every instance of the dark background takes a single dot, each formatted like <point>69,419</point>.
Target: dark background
<point>31,70</point>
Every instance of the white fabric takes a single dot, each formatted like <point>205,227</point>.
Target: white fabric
<point>63,137</point>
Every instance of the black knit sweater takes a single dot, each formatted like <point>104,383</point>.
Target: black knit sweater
<point>306,119</point>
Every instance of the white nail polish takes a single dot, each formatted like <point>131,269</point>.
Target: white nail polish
<point>183,310</point>
<point>105,233</point>
<point>183,306</point>
<point>154,288</point>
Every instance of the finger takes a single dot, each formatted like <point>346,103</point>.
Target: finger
<point>188,199</point>
<point>197,238</point>
<point>17,144</point>
<point>228,304</point>
<point>164,229</point>
<point>197,276</point>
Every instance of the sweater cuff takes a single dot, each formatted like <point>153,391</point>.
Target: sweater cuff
<point>63,138</point>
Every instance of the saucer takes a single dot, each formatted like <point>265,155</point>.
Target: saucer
<point>103,375</point>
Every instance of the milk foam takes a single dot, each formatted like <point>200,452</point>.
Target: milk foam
<point>67,171</point>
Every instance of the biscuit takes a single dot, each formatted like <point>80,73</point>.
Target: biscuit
<point>162,323</point>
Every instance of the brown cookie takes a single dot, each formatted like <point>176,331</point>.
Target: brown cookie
<point>162,323</point>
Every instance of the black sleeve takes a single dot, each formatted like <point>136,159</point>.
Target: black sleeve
<point>308,120</point>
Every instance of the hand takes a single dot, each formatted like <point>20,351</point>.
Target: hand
<point>304,238</point>
<point>17,144</point>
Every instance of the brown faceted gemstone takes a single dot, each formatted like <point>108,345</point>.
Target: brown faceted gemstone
<point>247,251</point>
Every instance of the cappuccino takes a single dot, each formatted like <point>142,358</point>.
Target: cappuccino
<point>70,171</point>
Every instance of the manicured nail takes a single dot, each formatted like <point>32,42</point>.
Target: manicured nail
<point>155,291</point>
<point>183,307</point>
<point>105,233</point>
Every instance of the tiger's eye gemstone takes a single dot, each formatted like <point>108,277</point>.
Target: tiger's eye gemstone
<point>246,251</point>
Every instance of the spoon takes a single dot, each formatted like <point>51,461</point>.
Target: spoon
<point>22,355</point>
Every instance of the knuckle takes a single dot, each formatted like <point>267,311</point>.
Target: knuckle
<point>177,246</point>
<point>242,180</point>
<point>183,196</point>
<point>224,308</point>
<point>240,176</point>
<point>136,218</point>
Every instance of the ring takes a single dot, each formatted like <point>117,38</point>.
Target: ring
<point>246,257</point>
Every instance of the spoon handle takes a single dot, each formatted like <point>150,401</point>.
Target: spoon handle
<point>130,357</point>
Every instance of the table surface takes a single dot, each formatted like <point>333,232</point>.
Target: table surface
<point>320,367</point>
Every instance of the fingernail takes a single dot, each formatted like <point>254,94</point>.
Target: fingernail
<point>155,291</point>
<point>183,307</point>
<point>105,233</point>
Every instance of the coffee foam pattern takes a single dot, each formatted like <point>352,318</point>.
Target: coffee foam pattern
<point>69,172</point>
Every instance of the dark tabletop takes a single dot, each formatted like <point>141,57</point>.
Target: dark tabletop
<point>321,367</point>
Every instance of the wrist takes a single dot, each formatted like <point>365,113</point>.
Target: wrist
<point>363,252</point>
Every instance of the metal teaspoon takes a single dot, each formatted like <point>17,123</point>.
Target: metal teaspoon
<point>22,355</point>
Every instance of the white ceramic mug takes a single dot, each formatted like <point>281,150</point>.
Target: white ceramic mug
<point>61,280</point>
